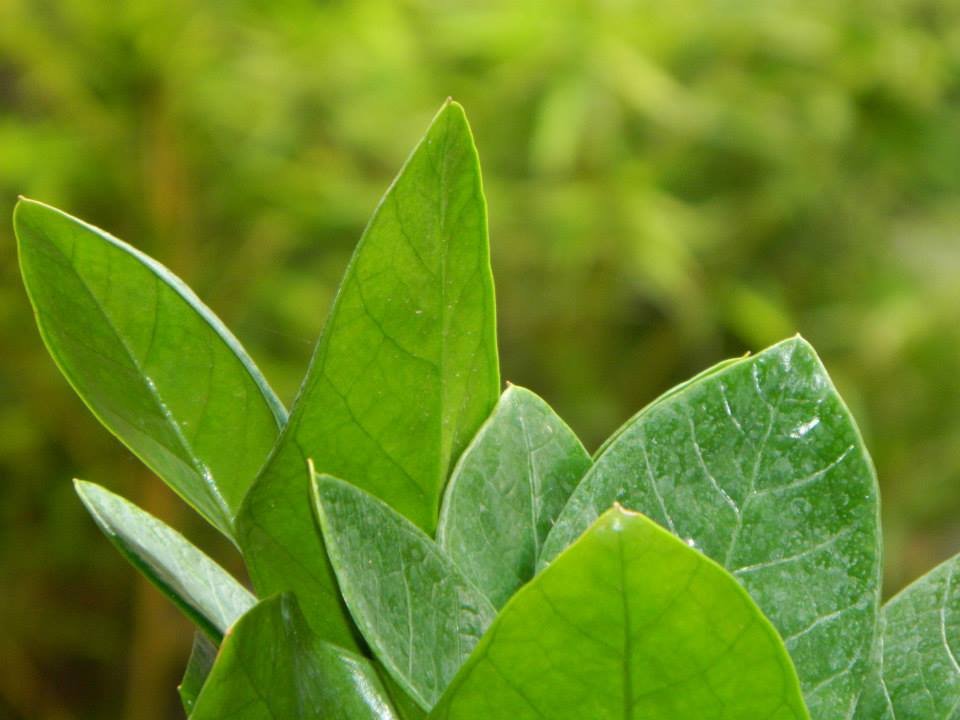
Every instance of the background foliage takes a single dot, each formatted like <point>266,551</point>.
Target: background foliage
<point>669,184</point>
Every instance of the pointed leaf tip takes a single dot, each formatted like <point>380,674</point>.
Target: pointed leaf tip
<point>402,377</point>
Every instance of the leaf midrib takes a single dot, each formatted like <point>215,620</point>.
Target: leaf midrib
<point>204,473</point>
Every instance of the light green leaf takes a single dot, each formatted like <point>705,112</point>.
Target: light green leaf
<point>508,487</point>
<point>203,590</point>
<point>403,375</point>
<point>918,674</point>
<point>760,465</point>
<point>202,656</point>
<point>628,623</point>
<point>273,667</point>
<point>417,611</point>
<point>152,362</point>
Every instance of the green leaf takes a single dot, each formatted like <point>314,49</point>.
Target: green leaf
<point>508,487</point>
<point>760,465</point>
<point>203,590</point>
<point>152,362</point>
<point>406,707</point>
<point>918,674</point>
<point>403,375</point>
<point>273,667</point>
<point>417,611</point>
<point>629,622</point>
<point>202,656</point>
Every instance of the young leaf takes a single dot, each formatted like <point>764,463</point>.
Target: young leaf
<point>414,607</point>
<point>273,667</point>
<point>629,622</point>
<point>918,674</point>
<point>202,656</point>
<point>760,465</point>
<point>151,361</point>
<point>404,373</point>
<point>203,590</point>
<point>506,490</point>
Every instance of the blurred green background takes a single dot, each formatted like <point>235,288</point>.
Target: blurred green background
<point>669,184</point>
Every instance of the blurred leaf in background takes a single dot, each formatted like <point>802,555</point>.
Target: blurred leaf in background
<point>669,184</point>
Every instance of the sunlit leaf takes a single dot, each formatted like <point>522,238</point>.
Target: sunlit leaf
<point>404,373</point>
<point>629,622</point>
<point>759,464</point>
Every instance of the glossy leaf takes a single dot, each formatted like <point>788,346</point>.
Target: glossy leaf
<point>507,489</point>
<point>403,375</point>
<point>152,362</point>
<point>918,676</point>
<point>202,657</point>
<point>760,465</point>
<point>273,667</point>
<point>629,622</point>
<point>203,590</point>
<point>414,607</point>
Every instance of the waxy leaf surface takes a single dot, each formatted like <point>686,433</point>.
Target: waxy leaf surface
<point>273,667</point>
<point>506,490</point>
<point>918,677</point>
<point>629,623</point>
<point>415,608</point>
<point>203,590</point>
<point>403,375</point>
<point>202,656</point>
<point>759,464</point>
<point>151,361</point>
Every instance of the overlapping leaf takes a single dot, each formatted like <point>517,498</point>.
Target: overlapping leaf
<point>918,676</point>
<point>202,656</point>
<point>404,373</point>
<point>153,363</point>
<point>759,464</point>
<point>273,667</point>
<point>404,705</point>
<point>629,622</point>
<point>414,607</point>
<point>506,491</point>
<point>205,592</point>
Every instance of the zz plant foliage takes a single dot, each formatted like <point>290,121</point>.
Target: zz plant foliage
<point>423,545</point>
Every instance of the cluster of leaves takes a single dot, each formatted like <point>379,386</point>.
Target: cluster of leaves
<point>424,546</point>
<point>672,183</point>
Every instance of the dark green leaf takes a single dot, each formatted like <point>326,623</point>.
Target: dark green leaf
<point>629,622</point>
<point>508,487</point>
<point>198,669</point>
<point>414,607</point>
<point>918,677</point>
<point>272,666</point>
<point>405,706</point>
<point>760,465</point>
<point>151,361</point>
<point>205,592</point>
<point>403,374</point>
